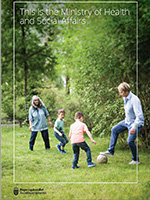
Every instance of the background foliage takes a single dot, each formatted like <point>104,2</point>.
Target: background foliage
<point>77,67</point>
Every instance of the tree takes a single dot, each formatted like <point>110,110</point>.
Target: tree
<point>33,57</point>
<point>102,54</point>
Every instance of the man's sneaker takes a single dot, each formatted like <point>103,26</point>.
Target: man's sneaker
<point>133,162</point>
<point>90,164</point>
<point>77,166</point>
<point>106,153</point>
<point>63,151</point>
<point>58,147</point>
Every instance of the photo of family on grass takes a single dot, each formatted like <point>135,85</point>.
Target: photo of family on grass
<point>75,117</point>
<point>134,121</point>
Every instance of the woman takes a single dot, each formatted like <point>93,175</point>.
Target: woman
<point>37,120</point>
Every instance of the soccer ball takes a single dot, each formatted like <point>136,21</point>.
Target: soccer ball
<point>102,159</point>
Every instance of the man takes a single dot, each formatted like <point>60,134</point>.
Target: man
<point>133,122</point>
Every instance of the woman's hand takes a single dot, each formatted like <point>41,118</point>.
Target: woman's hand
<point>30,128</point>
<point>50,124</point>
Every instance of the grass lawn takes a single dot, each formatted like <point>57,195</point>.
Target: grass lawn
<point>50,172</point>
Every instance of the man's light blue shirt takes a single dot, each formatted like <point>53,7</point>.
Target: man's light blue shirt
<point>38,118</point>
<point>133,111</point>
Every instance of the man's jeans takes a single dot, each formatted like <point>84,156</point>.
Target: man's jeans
<point>76,150</point>
<point>63,139</point>
<point>44,136</point>
<point>120,127</point>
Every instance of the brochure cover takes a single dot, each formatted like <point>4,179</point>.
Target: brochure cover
<point>74,100</point>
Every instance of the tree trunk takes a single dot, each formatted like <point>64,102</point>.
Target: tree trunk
<point>25,66</point>
<point>67,85</point>
<point>20,123</point>
<point>26,78</point>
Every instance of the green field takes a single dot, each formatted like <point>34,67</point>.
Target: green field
<point>51,171</point>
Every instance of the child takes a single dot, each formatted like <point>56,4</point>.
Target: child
<point>77,140</point>
<point>58,131</point>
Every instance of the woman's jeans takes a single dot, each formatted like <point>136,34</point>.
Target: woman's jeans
<point>76,150</point>
<point>44,136</point>
<point>120,127</point>
<point>63,139</point>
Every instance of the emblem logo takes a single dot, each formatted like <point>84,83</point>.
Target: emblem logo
<point>16,191</point>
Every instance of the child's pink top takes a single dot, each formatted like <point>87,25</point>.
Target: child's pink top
<point>76,132</point>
